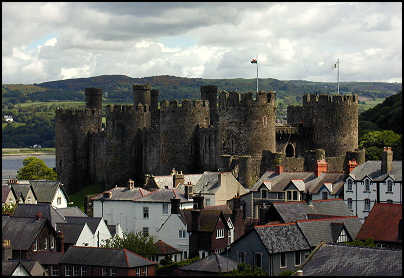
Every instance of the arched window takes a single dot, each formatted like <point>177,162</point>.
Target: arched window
<point>290,150</point>
<point>389,186</point>
<point>367,185</point>
<point>349,185</point>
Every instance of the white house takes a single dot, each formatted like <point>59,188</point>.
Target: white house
<point>99,229</point>
<point>50,192</point>
<point>136,209</point>
<point>374,182</point>
<point>76,234</point>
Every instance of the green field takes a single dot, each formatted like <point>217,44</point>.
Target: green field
<point>19,151</point>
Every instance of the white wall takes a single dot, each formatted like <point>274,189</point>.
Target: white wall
<point>20,271</point>
<point>59,193</point>
<point>86,236</point>
<point>103,232</point>
<point>395,195</point>
<point>169,233</point>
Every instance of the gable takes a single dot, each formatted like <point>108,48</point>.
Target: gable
<point>291,186</point>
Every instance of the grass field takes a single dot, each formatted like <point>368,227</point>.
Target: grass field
<point>49,103</point>
<point>19,151</point>
<point>78,197</point>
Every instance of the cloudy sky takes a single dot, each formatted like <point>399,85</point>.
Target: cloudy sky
<point>53,41</point>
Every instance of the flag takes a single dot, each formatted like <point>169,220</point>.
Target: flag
<point>253,61</point>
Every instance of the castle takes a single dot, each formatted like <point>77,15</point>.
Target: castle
<point>223,130</point>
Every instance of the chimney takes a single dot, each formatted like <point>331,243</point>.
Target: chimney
<point>178,178</point>
<point>351,165</point>
<point>7,252</point>
<point>236,208</point>
<point>387,160</point>
<point>60,242</point>
<point>188,190</point>
<point>322,167</point>
<point>278,169</point>
<point>175,206</point>
<point>196,218</point>
<point>198,202</point>
<point>131,184</point>
<point>39,215</point>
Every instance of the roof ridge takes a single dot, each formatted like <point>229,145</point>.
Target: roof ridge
<point>139,255</point>
<point>334,199</point>
<point>334,217</point>
<point>272,225</point>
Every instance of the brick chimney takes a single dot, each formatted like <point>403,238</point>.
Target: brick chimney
<point>38,215</point>
<point>198,202</point>
<point>60,242</point>
<point>322,167</point>
<point>278,169</point>
<point>7,252</point>
<point>188,190</point>
<point>387,160</point>
<point>196,220</point>
<point>175,206</point>
<point>236,208</point>
<point>178,178</point>
<point>351,165</point>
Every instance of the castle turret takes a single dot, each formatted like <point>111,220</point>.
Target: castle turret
<point>93,98</point>
<point>334,122</point>
<point>141,94</point>
<point>209,93</point>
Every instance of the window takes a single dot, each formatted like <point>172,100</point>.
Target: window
<point>145,269</point>
<point>367,186</point>
<point>350,203</point>
<point>145,212</point>
<point>55,270</point>
<point>367,204</point>
<point>297,258</point>
<point>258,259</point>
<point>138,271</point>
<point>46,243</point>
<point>52,242</point>
<point>343,237</point>
<point>281,195</point>
<point>389,186</point>
<point>349,185</point>
<point>185,255</point>
<point>59,200</point>
<point>36,245</point>
<point>165,208</point>
<point>389,201</point>
<point>182,233</point>
<point>289,194</point>
<point>113,271</point>
<point>283,260</point>
<point>325,195</point>
<point>219,233</point>
<point>68,270</point>
<point>83,271</point>
<point>76,270</point>
<point>241,258</point>
<point>294,195</point>
<point>264,194</point>
<point>146,231</point>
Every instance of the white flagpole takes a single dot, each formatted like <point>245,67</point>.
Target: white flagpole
<point>338,76</point>
<point>257,74</point>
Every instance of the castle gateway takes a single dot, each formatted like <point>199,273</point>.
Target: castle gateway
<point>223,130</point>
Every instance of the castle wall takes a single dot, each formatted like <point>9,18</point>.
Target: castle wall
<point>151,151</point>
<point>96,157</point>
<point>208,151</point>
<point>178,134</point>
<point>295,114</point>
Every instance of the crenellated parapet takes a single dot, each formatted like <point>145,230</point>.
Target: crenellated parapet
<point>231,99</point>
<point>315,99</point>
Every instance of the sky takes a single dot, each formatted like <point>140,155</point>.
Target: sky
<point>292,41</point>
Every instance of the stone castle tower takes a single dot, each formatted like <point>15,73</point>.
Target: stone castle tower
<point>223,130</point>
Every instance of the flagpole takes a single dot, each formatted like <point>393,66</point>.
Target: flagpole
<point>257,74</point>
<point>338,76</point>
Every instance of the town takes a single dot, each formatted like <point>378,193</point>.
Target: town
<point>208,187</point>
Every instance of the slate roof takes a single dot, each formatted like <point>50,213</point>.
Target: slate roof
<point>165,249</point>
<point>8,267</point>
<point>163,181</point>
<point>164,196</point>
<point>71,231</point>
<point>343,260</point>
<point>336,179</point>
<point>71,211</point>
<point>299,210</point>
<point>21,231</point>
<point>22,190</point>
<point>123,194</point>
<point>372,169</point>
<point>208,219</point>
<point>214,263</point>
<point>324,229</point>
<point>382,223</point>
<point>45,190</point>
<point>108,257</point>
<point>112,230</point>
<point>92,222</point>
<point>46,257</point>
<point>279,182</point>
<point>279,238</point>
<point>5,189</point>
<point>48,212</point>
<point>209,182</point>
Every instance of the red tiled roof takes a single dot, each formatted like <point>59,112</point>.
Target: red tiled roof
<point>165,249</point>
<point>382,223</point>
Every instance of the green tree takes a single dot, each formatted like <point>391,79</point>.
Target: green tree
<point>246,270</point>
<point>139,243</point>
<point>35,169</point>
<point>8,208</point>
<point>374,141</point>
<point>366,243</point>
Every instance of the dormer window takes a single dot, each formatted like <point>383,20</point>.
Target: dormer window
<point>367,186</point>
<point>263,193</point>
<point>349,185</point>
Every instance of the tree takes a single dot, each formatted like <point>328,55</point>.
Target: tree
<point>8,209</point>
<point>139,243</point>
<point>367,243</point>
<point>246,270</point>
<point>374,141</point>
<point>35,169</point>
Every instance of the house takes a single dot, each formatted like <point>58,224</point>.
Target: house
<point>285,212</point>
<point>71,211</point>
<point>374,182</point>
<point>169,181</point>
<point>97,261</point>
<point>215,187</point>
<point>164,250</point>
<point>28,235</point>
<point>76,234</point>
<point>51,192</point>
<point>8,195</point>
<point>337,229</point>
<point>384,225</point>
<point>214,264</point>
<point>24,192</point>
<point>326,186</point>
<point>49,261</point>
<point>274,248</point>
<point>136,209</point>
<point>45,209</point>
<point>341,260</point>
<point>97,225</point>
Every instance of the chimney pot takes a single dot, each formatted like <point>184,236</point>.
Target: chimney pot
<point>322,167</point>
<point>279,169</point>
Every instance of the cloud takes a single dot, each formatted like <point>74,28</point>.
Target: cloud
<point>51,41</point>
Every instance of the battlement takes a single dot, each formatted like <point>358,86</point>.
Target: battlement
<point>228,99</point>
<point>329,99</point>
<point>185,105</point>
<point>116,109</point>
<point>75,113</point>
<point>144,87</point>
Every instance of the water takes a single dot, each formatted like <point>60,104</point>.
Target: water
<point>11,164</point>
